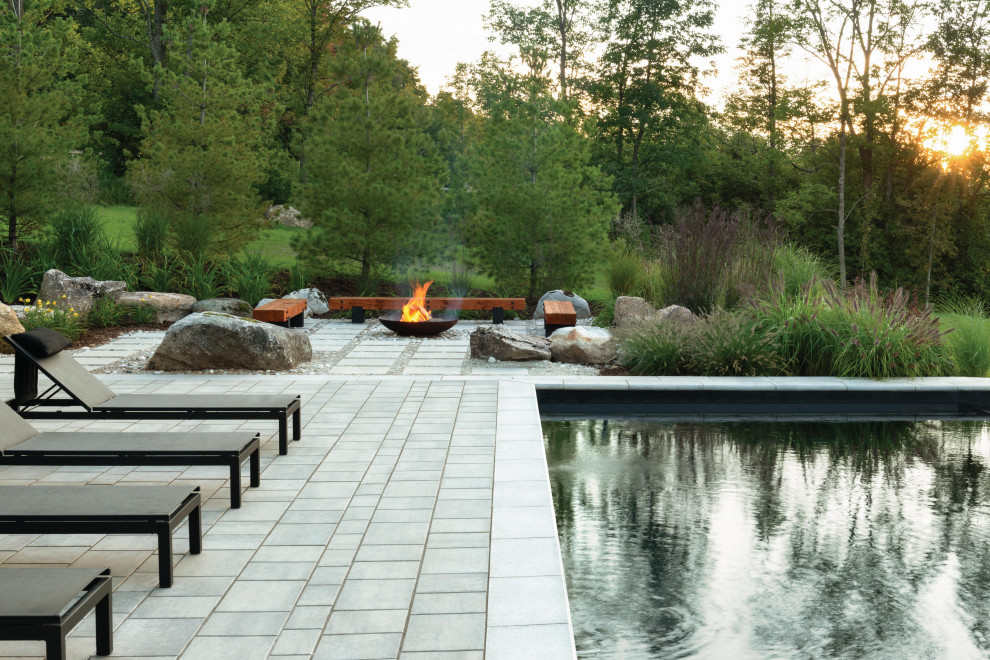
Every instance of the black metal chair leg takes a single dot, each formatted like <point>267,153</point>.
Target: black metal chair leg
<point>164,557</point>
<point>235,484</point>
<point>104,625</point>
<point>55,645</point>
<point>283,435</point>
<point>196,531</point>
<point>254,462</point>
<point>297,423</point>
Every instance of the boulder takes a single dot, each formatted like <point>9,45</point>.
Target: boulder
<point>287,216</point>
<point>676,314</point>
<point>263,301</point>
<point>169,307</point>
<point>499,343</point>
<point>580,304</point>
<point>316,302</point>
<point>9,325</point>
<point>630,311</point>
<point>583,345</point>
<point>80,293</point>
<point>232,306</point>
<point>209,340</point>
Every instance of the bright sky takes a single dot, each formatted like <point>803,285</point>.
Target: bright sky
<point>434,35</point>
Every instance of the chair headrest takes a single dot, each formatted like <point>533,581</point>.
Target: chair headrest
<point>42,342</point>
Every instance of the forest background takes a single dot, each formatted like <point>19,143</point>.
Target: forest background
<point>591,140</point>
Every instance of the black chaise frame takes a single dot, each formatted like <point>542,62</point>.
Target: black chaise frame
<point>22,444</point>
<point>106,510</point>
<point>45,604</point>
<point>83,389</point>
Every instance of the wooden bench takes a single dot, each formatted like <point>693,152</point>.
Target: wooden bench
<point>496,305</point>
<point>558,314</point>
<point>286,312</point>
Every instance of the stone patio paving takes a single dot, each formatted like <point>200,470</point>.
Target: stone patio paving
<point>413,519</point>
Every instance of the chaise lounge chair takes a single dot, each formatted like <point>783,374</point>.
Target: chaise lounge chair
<point>105,510</point>
<point>47,603</point>
<point>40,349</point>
<point>22,444</point>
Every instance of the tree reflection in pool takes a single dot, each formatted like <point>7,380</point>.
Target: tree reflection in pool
<point>775,540</point>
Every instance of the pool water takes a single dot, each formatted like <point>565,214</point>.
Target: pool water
<point>774,540</point>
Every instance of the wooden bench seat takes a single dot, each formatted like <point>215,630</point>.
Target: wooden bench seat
<point>558,314</point>
<point>357,305</point>
<point>286,312</point>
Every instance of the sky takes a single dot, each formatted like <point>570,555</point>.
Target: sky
<point>434,35</point>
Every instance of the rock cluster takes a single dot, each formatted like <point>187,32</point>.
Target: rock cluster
<point>287,216</point>
<point>169,307</point>
<point>209,340</point>
<point>79,293</point>
<point>500,343</point>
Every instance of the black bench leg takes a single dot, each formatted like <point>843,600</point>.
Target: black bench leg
<point>104,625</point>
<point>195,531</point>
<point>165,556</point>
<point>297,424</point>
<point>55,645</point>
<point>283,434</point>
<point>235,484</point>
<point>297,320</point>
<point>357,314</point>
<point>497,315</point>
<point>254,462</point>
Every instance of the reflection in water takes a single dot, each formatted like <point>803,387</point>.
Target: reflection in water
<point>775,540</point>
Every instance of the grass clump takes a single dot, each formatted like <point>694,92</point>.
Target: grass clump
<point>968,338</point>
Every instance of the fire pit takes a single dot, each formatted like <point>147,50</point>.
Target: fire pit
<point>426,328</point>
<point>416,320</point>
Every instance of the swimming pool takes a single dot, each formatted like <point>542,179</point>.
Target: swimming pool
<point>756,539</point>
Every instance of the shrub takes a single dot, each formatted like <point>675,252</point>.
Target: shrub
<point>202,279</point>
<point>298,277</point>
<point>968,338</point>
<point>151,233</point>
<point>142,314</point>
<point>658,349</point>
<point>654,284</point>
<point>716,258</point>
<point>622,271</point>
<point>163,277</point>
<point>605,318</point>
<point>796,266</point>
<point>54,315</point>
<point>729,344</point>
<point>18,274</point>
<point>459,280</point>
<point>250,276</point>
<point>864,333</point>
<point>106,313</point>
<point>105,261</point>
<point>74,230</point>
<point>193,237</point>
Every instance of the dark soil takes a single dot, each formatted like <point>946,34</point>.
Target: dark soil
<point>613,370</point>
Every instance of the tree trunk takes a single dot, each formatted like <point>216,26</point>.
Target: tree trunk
<point>931,254</point>
<point>841,224</point>
<point>155,41</point>
<point>562,28</point>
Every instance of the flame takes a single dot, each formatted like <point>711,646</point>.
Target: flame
<point>415,310</point>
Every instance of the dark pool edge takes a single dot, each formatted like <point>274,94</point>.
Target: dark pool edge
<point>762,396</point>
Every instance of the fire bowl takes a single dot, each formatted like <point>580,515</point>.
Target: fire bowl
<point>429,328</point>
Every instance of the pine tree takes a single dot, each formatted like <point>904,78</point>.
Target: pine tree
<point>40,115</point>
<point>200,161</point>
<point>544,211</point>
<point>374,174</point>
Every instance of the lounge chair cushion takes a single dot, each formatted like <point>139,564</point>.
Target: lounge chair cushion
<point>42,342</point>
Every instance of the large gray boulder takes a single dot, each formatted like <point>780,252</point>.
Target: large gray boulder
<point>631,311</point>
<point>232,306</point>
<point>79,293</point>
<point>316,302</point>
<point>580,304</point>
<point>169,307</point>
<point>208,340</point>
<point>583,344</point>
<point>496,341</point>
<point>676,314</point>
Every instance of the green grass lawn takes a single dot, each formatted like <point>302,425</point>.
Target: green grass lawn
<point>274,243</point>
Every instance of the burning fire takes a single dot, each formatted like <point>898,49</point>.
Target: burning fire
<point>415,310</point>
